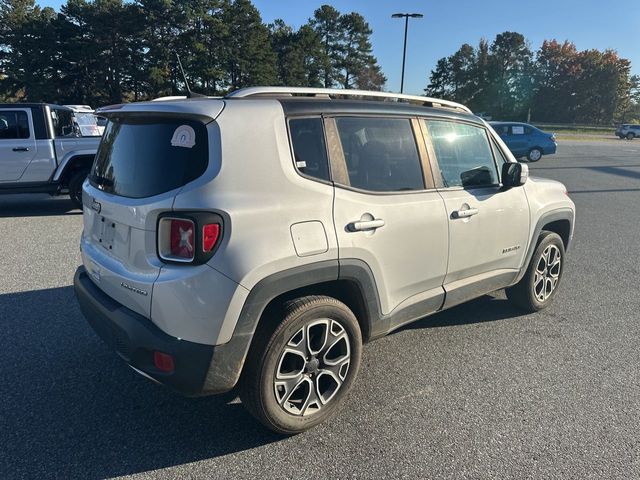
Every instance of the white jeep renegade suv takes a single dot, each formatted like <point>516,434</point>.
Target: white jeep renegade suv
<point>259,239</point>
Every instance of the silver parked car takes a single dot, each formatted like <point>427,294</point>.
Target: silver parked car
<point>628,131</point>
<point>260,239</point>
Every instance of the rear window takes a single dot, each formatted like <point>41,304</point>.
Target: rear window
<point>142,157</point>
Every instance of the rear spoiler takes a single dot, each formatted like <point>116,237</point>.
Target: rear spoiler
<point>203,109</point>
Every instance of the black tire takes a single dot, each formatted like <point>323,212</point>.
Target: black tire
<point>534,154</point>
<point>267,360</point>
<point>527,294</point>
<point>630,136</point>
<point>75,186</point>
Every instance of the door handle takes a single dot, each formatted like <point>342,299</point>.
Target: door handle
<point>21,149</point>
<point>362,225</point>
<point>469,212</point>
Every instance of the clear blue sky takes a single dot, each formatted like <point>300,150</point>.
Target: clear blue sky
<point>448,24</point>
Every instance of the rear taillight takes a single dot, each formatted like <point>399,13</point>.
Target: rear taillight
<point>188,238</point>
<point>182,240</point>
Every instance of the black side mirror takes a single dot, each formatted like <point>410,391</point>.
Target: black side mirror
<point>514,174</point>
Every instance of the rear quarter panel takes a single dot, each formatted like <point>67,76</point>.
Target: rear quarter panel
<point>260,195</point>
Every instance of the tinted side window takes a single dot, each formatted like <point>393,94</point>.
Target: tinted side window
<point>13,125</point>
<point>463,153</point>
<point>309,149</point>
<point>380,153</point>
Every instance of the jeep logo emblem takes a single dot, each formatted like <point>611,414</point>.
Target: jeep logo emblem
<point>96,206</point>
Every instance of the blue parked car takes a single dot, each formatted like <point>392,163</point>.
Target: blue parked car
<point>525,140</point>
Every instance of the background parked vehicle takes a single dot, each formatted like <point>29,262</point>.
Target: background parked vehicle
<point>525,140</point>
<point>42,150</point>
<point>628,131</point>
<point>87,121</point>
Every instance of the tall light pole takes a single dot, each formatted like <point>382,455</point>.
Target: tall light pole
<point>404,50</point>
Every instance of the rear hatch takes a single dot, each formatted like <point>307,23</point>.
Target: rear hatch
<point>147,154</point>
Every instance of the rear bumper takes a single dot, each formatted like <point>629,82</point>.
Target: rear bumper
<point>199,369</point>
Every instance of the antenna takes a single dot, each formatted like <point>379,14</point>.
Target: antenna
<point>190,94</point>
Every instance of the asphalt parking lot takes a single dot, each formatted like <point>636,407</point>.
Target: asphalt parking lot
<point>480,391</point>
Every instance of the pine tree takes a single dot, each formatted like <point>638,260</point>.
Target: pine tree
<point>251,61</point>
<point>203,39</point>
<point>27,50</point>
<point>355,53</point>
<point>326,22</point>
<point>108,51</point>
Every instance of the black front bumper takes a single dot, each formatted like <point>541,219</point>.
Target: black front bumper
<point>135,338</point>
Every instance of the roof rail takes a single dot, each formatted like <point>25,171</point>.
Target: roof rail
<point>339,92</point>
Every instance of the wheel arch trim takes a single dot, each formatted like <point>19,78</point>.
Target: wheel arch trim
<point>560,214</point>
<point>228,359</point>
<point>68,160</point>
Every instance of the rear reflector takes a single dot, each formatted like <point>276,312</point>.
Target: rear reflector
<point>210,235</point>
<point>163,362</point>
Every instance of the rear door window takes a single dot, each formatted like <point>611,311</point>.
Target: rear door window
<point>309,148</point>
<point>464,154</point>
<point>503,130</point>
<point>62,121</point>
<point>142,157</point>
<point>380,153</point>
<point>14,125</point>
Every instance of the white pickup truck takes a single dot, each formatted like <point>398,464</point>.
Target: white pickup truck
<point>42,150</point>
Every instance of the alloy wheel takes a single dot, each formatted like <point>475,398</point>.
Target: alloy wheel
<point>312,367</point>
<point>547,273</point>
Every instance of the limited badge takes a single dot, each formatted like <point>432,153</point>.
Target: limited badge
<point>184,136</point>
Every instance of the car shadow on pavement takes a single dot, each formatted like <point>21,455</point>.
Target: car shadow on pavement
<point>70,408</point>
<point>488,308</point>
<point>36,205</point>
